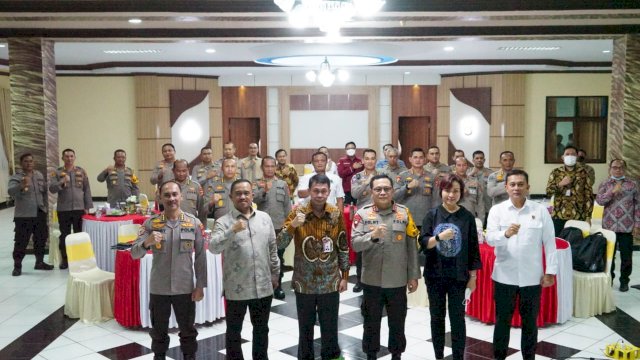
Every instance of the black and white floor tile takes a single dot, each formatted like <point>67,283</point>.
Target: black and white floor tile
<point>32,325</point>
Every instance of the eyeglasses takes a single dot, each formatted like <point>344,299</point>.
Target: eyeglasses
<point>386,189</point>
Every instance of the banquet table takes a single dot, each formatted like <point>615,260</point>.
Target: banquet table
<point>103,232</point>
<point>556,301</point>
<point>131,290</point>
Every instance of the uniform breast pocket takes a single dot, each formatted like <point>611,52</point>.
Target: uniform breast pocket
<point>187,240</point>
<point>280,195</point>
<point>398,232</point>
<point>41,186</point>
<point>533,232</point>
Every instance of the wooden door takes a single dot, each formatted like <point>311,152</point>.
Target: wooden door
<point>413,132</point>
<point>242,132</point>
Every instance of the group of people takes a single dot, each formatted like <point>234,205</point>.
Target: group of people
<point>429,208</point>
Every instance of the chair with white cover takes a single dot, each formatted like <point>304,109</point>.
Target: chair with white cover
<point>128,233</point>
<point>89,289</point>
<point>592,293</point>
<point>582,225</point>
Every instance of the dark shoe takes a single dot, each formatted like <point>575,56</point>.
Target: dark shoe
<point>279,294</point>
<point>189,356</point>
<point>43,266</point>
<point>16,271</point>
<point>624,287</point>
<point>396,356</point>
<point>357,289</point>
<point>159,357</point>
<point>65,265</point>
<point>372,356</point>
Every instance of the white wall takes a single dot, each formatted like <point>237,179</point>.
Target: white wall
<point>537,88</point>
<point>96,115</point>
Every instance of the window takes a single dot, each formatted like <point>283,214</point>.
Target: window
<point>580,121</point>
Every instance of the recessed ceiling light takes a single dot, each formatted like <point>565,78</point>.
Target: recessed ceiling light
<point>2,45</point>
<point>135,21</point>
<point>136,51</point>
<point>407,72</point>
<point>249,74</point>
<point>529,48</point>
<point>606,51</point>
<point>210,51</point>
<point>448,48</point>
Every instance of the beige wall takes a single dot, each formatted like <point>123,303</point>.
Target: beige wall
<point>4,81</point>
<point>537,88</point>
<point>96,115</point>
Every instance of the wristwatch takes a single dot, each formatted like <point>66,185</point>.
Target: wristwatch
<point>437,238</point>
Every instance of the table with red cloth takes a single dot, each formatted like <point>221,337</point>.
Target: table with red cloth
<point>553,302</point>
<point>103,232</point>
<point>131,291</point>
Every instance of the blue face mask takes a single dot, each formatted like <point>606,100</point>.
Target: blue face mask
<point>618,178</point>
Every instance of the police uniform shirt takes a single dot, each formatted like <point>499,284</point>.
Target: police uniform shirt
<point>121,183</point>
<point>275,202</point>
<point>30,200</point>
<point>201,171</point>
<point>392,172</point>
<point>166,168</point>
<point>360,188</point>
<point>473,199</point>
<point>250,168</point>
<point>418,199</point>
<point>192,200</point>
<point>496,187</point>
<point>76,195</point>
<point>391,261</point>
<point>174,265</point>
<point>222,187</point>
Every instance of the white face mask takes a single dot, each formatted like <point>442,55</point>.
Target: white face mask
<point>570,160</point>
<point>351,152</point>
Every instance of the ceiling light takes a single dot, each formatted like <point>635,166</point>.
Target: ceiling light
<point>529,48</point>
<point>249,74</point>
<point>210,51</point>
<point>407,72</point>
<point>135,21</point>
<point>448,48</point>
<point>2,45</point>
<point>606,51</point>
<point>328,15</point>
<point>139,51</point>
<point>325,76</point>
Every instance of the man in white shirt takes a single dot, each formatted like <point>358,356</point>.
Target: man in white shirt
<point>518,229</point>
<point>336,194</point>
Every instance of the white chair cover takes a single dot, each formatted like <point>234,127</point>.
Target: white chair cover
<point>89,290</point>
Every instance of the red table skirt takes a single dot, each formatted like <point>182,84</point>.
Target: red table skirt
<point>136,219</point>
<point>482,305</point>
<point>126,306</point>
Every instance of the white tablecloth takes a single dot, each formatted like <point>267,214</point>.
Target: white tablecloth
<point>208,309</point>
<point>104,235</point>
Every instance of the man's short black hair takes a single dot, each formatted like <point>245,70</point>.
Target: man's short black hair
<point>320,179</point>
<point>25,155</point>
<point>417,149</point>
<point>378,177</point>
<point>349,143</point>
<point>477,152</point>
<point>239,181</point>
<point>516,172</point>
<point>279,151</point>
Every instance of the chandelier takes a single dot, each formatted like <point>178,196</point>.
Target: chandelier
<point>327,15</point>
<point>325,76</point>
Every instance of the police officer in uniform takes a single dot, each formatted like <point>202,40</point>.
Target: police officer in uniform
<point>29,190</point>
<point>121,182</point>
<point>272,196</point>
<point>414,187</point>
<point>192,194</point>
<point>386,235</point>
<point>217,189</point>
<point>71,184</point>
<point>173,236</point>
<point>163,171</point>
<point>207,169</point>
<point>394,166</point>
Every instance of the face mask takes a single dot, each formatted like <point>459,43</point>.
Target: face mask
<point>580,159</point>
<point>570,160</point>
<point>351,152</point>
<point>617,177</point>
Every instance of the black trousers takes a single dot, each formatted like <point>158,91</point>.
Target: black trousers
<point>348,199</point>
<point>358,266</point>
<point>439,290</point>
<point>185,310</point>
<point>259,310</point>
<point>558,225</point>
<point>25,227</point>
<point>529,306</point>
<point>395,300</point>
<point>68,219</point>
<point>326,308</point>
<point>281,257</point>
<point>624,242</point>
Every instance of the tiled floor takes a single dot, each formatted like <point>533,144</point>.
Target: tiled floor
<point>32,325</point>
